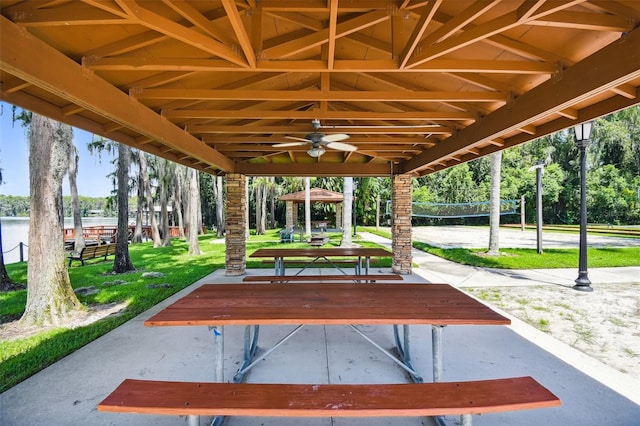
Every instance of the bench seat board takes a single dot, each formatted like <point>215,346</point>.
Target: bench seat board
<point>315,278</point>
<point>307,400</point>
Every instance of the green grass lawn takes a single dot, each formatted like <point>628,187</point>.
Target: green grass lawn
<point>23,357</point>
<point>515,258</point>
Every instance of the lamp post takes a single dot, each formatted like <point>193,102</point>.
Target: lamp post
<point>583,133</point>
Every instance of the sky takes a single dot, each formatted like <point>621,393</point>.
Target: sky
<point>14,161</point>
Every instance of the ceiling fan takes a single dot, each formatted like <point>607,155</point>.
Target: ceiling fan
<point>318,141</point>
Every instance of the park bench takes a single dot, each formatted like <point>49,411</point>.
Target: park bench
<point>316,278</point>
<point>287,236</point>
<point>93,252</point>
<point>195,399</point>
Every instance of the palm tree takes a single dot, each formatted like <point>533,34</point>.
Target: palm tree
<point>193,200</point>
<point>347,202</point>
<point>494,216</point>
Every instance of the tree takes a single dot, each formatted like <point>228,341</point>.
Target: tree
<point>75,203</point>
<point>50,297</point>
<point>146,185</point>
<point>346,211</point>
<point>260,190</point>
<point>193,197</point>
<point>307,206</point>
<point>178,187</point>
<point>219,193</point>
<point>494,216</point>
<point>166,173</point>
<point>122,262</point>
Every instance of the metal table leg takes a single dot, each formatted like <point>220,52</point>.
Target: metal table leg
<point>218,345</point>
<point>403,348</point>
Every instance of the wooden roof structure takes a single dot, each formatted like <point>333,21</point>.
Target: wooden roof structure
<point>418,85</point>
<point>316,195</point>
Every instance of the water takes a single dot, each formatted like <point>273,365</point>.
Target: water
<point>16,230</point>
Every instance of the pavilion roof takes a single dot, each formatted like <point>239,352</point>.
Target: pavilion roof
<point>239,86</point>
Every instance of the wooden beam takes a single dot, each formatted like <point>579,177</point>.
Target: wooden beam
<point>72,83</point>
<point>241,33</point>
<point>308,95</point>
<point>340,66</point>
<point>258,114</point>
<point>316,169</point>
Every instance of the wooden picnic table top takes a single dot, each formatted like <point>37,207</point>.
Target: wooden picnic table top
<point>326,303</point>
<point>319,252</point>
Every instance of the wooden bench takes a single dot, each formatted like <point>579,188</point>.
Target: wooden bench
<point>93,252</point>
<point>316,278</point>
<point>343,400</point>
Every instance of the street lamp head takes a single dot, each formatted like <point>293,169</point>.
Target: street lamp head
<point>583,131</point>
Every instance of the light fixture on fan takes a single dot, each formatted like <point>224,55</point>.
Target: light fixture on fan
<point>316,151</point>
<point>318,141</point>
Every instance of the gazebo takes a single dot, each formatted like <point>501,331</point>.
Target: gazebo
<point>397,88</point>
<point>316,195</point>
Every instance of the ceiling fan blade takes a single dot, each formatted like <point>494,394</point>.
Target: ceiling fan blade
<point>341,146</point>
<point>336,137</point>
<point>295,138</point>
<point>288,144</point>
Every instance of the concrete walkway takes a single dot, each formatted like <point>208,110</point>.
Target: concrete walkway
<point>67,392</point>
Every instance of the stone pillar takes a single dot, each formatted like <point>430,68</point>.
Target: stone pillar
<point>289,222</point>
<point>339,216</point>
<point>236,236</point>
<point>401,224</point>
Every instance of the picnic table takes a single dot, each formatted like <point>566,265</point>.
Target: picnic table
<point>361,257</point>
<point>252,305</point>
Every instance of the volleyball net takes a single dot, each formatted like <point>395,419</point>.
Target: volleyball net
<point>457,210</point>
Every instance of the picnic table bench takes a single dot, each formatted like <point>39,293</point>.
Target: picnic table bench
<point>317,278</point>
<point>195,399</point>
<point>93,252</point>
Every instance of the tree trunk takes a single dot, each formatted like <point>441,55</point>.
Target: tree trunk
<point>122,262</point>
<point>50,297</point>
<point>178,201</point>
<point>346,212</point>
<point>261,205</point>
<point>192,233</point>
<point>219,207</point>
<point>144,172</point>
<point>164,201</point>
<point>272,194</point>
<point>75,202</point>
<point>307,206</point>
<point>494,216</point>
<point>137,234</point>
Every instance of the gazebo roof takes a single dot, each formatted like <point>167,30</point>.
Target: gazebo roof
<point>316,195</point>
